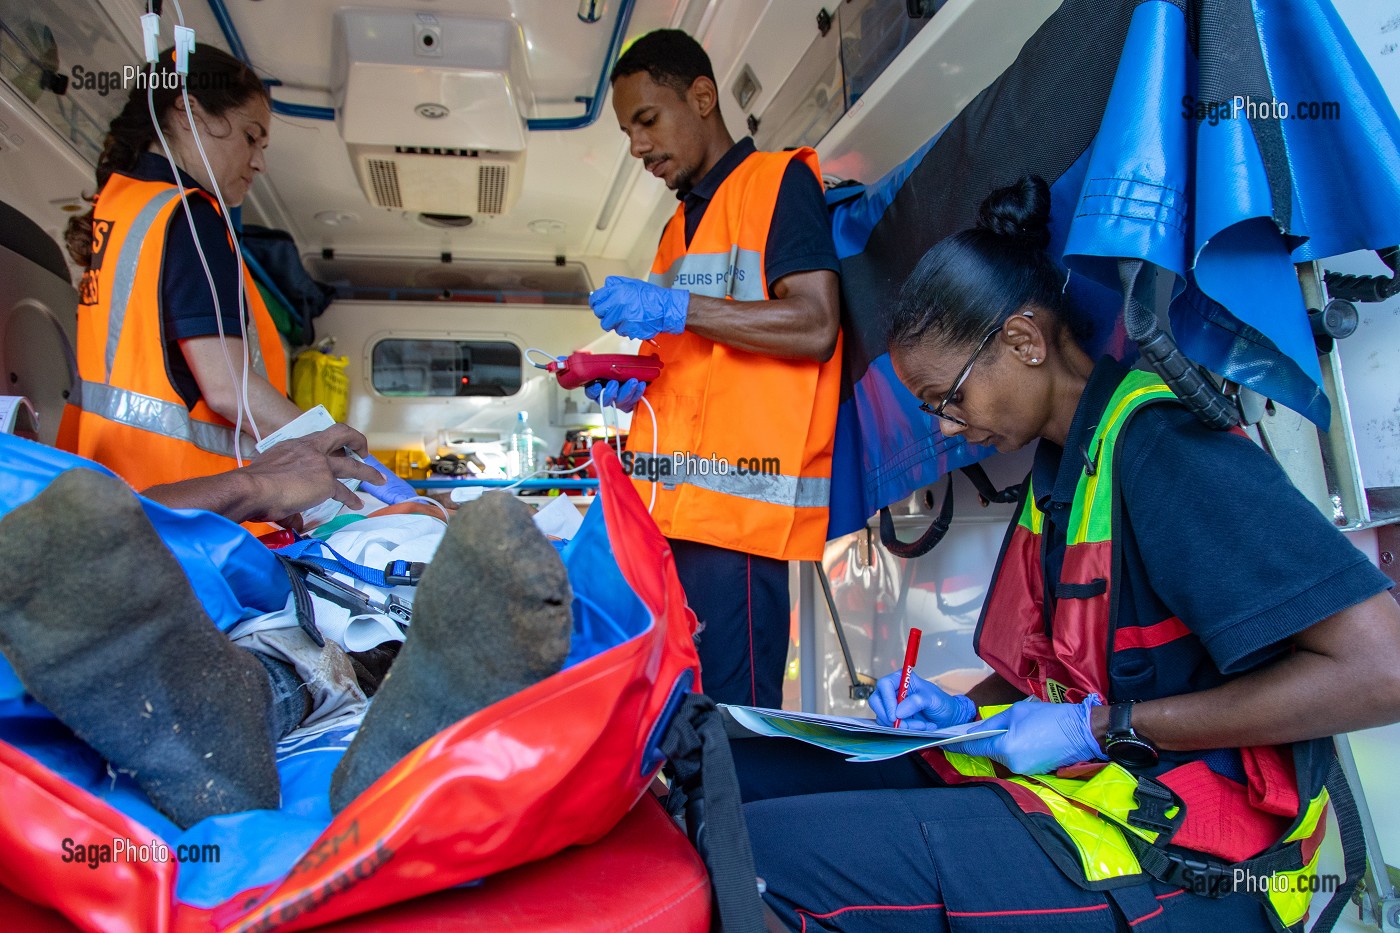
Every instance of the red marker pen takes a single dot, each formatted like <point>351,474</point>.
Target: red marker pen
<point>911,657</point>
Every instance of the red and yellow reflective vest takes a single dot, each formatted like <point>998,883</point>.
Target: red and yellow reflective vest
<point>1102,824</point>
<point>129,416</point>
<point>742,440</point>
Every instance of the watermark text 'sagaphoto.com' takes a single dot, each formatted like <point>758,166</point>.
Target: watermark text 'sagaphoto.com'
<point>1251,108</point>
<point>96,854</point>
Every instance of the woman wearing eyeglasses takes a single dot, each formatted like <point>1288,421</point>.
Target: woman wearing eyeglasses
<point>1174,633</point>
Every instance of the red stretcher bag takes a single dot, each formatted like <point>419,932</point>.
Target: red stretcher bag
<point>556,765</point>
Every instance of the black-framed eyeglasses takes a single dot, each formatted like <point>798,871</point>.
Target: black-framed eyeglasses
<point>958,382</point>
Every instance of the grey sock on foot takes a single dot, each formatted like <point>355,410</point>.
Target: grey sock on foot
<point>102,627</point>
<point>492,616</point>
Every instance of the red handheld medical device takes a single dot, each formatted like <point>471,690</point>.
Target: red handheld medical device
<point>581,368</point>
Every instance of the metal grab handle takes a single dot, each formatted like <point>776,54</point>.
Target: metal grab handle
<point>859,691</point>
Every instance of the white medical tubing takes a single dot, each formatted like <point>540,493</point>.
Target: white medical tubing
<point>531,360</point>
<point>651,505</point>
<point>241,403</point>
<point>203,262</point>
<point>431,501</point>
<point>237,253</point>
<point>616,433</point>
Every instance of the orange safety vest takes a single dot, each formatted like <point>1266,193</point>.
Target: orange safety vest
<point>128,415</point>
<point>742,441</point>
<point>1104,825</point>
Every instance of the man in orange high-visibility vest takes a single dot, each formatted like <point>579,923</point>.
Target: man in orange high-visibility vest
<point>742,305</point>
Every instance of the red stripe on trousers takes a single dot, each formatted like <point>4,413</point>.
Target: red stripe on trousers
<point>841,910</point>
<point>753,675</point>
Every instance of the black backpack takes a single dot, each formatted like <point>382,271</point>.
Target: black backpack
<point>273,259</point>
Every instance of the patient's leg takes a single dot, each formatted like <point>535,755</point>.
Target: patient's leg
<point>491,617</point>
<point>100,624</point>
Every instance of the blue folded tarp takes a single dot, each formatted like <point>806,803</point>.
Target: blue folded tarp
<point>1221,141</point>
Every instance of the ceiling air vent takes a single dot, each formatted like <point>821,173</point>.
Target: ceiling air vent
<point>445,221</point>
<point>436,180</point>
<point>492,182</point>
<point>384,177</point>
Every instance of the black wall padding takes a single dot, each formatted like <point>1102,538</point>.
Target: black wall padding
<point>1037,118</point>
<point>1231,65</point>
<point>22,235</point>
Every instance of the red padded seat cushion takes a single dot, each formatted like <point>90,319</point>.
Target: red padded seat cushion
<point>643,877</point>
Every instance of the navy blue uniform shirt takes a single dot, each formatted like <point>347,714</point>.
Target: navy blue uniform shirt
<point>799,236</point>
<point>1212,532</point>
<point>186,302</point>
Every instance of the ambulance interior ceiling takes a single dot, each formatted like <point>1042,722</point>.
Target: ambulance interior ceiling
<point>583,197</point>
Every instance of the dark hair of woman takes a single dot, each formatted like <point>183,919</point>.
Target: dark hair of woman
<point>217,80</point>
<point>971,281</point>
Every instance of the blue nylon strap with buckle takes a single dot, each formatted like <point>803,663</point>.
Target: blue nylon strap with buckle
<point>397,573</point>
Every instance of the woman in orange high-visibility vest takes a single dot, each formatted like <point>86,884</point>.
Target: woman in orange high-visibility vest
<point>159,396</point>
<point>167,311</point>
<point>1174,632</point>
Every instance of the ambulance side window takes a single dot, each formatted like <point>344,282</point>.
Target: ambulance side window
<point>426,368</point>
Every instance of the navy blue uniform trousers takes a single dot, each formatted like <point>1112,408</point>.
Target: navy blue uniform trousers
<point>742,604</point>
<point>875,846</point>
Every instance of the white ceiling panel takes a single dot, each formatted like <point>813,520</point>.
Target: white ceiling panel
<point>583,196</point>
<point>567,172</point>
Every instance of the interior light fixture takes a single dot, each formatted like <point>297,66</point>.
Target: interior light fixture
<point>614,196</point>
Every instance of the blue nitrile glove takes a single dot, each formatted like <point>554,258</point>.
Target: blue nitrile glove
<point>392,490</point>
<point>638,309</point>
<point>926,707</point>
<point>622,396</point>
<point>1039,737</point>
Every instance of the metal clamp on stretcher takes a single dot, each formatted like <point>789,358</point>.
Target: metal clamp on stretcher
<point>317,570</point>
<point>395,607</point>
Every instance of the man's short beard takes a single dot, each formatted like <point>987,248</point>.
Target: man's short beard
<point>685,180</point>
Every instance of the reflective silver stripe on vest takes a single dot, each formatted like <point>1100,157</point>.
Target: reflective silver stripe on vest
<point>124,279</point>
<point>253,343</point>
<point>803,492</point>
<point>255,347</point>
<point>168,419</point>
<point>737,274</point>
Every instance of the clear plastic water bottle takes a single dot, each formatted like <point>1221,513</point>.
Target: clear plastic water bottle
<point>522,448</point>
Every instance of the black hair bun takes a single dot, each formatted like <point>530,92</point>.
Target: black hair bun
<point>1020,211</point>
